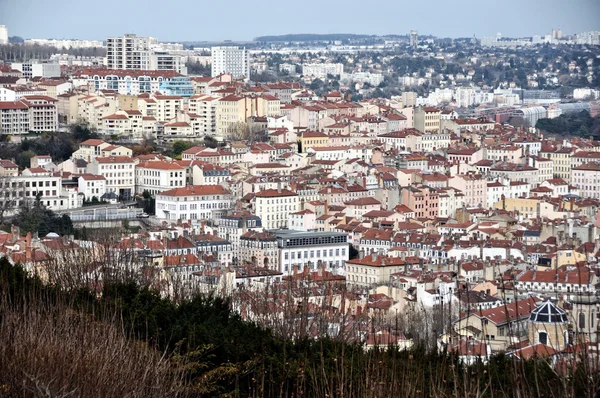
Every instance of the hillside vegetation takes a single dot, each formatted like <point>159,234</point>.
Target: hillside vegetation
<point>128,341</point>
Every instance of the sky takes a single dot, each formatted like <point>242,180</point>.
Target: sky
<point>202,20</point>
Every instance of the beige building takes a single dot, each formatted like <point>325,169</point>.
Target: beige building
<point>274,206</point>
<point>427,119</point>
<point>205,107</point>
<point>373,270</point>
<point>548,325</point>
<point>93,108</point>
<point>232,110</point>
<point>500,326</point>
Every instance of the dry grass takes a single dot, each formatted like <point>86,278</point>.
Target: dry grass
<point>50,350</point>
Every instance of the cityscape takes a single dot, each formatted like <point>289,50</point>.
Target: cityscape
<point>300,215</point>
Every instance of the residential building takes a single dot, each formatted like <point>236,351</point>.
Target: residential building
<point>321,71</point>
<point>158,176</point>
<point>427,119</point>
<point>300,250</point>
<point>274,206</point>
<point>194,202</point>
<point>587,178</point>
<point>90,186</point>
<point>230,59</point>
<point>236,224</point>
<point>129,52</point>
<point>119,173</point>
<point>373,270</point>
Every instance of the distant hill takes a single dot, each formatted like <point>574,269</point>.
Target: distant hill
<point>319,37</point>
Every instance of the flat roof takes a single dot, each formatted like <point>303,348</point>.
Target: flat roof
<point>292,233</point>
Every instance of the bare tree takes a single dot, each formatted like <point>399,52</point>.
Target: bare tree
<point>11,192</point>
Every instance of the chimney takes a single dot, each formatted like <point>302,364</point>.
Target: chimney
<point>203,225</point>
<point>28,256</point>
<point>571,201</point>
<point>295,270</point>
<point>305,270</point>
<point>165,240</point>
<point>244,222</point>
<point>15,231</point>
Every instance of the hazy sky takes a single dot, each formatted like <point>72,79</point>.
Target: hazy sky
<point>187,20</point>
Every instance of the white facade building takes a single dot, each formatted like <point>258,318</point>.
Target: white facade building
<point>3,35</point>
<point>299,249</point>
<point>230,59</point>
<point>274,206</point>
<point>194,202</point>
<point>322,70</point>
<point>119,174</point>
<point>129,52</point>
<point>91,186</point>
<point>158,176</point>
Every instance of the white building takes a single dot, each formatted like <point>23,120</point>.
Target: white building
<point>230,59</point>
<point>322,70</point>
<point>35,68</point>
<point>274,206</point>
<point>163,60</point>
<point>60,44</point>
<point>299,249</point>
<point>119,173</point>
<point>91,186</point>
<point>194,202</point>
<point>129,52</point>
<point>127,82</point>
<point>3,35</point>
<point>587,178</point>
<point>158,176</point>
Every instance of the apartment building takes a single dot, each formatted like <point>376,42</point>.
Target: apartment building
<point>14,118</point>
<point>298,250</point>
<point>36,182</point>
<point>119,172</point>
<point>205,107</point>
<point>322,70</point>
<point>94,108</point>
<point>230,59</point>
<point>91,185</point>
<point>129,52</point>
<point>259,249</point>
<point>43,115</point>
<point>92,148</point>
<point>235,109</point>
<point>131,124</point>
<point>194,202</point>
<point>33,113</point>
<point>158,176</point>
<point>473,186</point>
<point>37,68</point>
<point>373,270</point>
<point>587,178</point>
<point>233,226</point>
<point>125,82</point>
<point>427,119</point>
<point>274,206</point>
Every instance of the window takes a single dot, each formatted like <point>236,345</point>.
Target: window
<point>543,337</point>
<point>581,320</point>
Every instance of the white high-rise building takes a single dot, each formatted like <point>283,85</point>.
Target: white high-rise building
<point>230,59</point>
<point>414,38</point>
<point>129,52</point>
<point>3,34</point>
<point>322,70</point>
